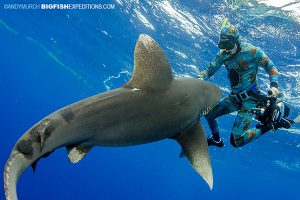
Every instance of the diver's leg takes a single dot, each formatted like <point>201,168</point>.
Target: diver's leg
<point>240,134</point>
<point>283,123</point>
<point>225,106</point>
<point>239,137</point>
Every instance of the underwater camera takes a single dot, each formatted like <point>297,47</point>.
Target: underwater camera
<point>270,110</point>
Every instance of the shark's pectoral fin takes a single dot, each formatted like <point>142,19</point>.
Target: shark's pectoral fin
<point>194,145</point>
<point>76,153</point>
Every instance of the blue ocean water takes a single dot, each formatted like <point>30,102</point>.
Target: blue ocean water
<point>51,58</point>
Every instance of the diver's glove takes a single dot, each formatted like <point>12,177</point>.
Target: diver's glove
<point>200,76</point>
<point>273,92</point>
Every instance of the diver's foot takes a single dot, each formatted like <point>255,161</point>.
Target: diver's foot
<point>285,123</point>
<point>212,142</point>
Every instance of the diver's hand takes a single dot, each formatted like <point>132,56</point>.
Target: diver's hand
<point>200,76</point>
<point>273,92</point>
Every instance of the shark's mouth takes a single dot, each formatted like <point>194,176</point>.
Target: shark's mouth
<point>206,110</point>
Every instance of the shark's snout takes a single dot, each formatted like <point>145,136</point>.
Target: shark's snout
<point>209,96</point>
<point>216,94</point>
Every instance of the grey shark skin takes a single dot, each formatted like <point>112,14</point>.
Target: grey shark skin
<point>152,106</point>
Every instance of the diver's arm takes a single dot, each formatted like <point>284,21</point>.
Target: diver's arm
<point>212,67</point>
<point>264,61</point>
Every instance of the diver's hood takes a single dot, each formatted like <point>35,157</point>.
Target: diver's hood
<point>229,37</point>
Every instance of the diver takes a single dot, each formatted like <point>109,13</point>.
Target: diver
<point>242,61</point>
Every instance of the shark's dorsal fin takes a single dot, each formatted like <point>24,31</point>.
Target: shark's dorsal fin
<point>152,69</point>
<point>194,145</point>
<point>76,153</point>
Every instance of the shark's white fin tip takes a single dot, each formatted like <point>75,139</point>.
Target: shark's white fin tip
<point>145,40</point>
<point>209,182</point>
<point>77,153</point>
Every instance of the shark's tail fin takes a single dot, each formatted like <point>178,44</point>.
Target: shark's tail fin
<point>26,152</point>
<point>297,119</point>
<point>14,167</point>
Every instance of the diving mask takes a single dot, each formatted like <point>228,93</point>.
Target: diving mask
<point>227,42</point>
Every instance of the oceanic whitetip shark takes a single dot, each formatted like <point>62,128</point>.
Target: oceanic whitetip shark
<point>151,106</point>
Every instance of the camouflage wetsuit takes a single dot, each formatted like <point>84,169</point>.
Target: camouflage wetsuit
<point>242,71</point>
